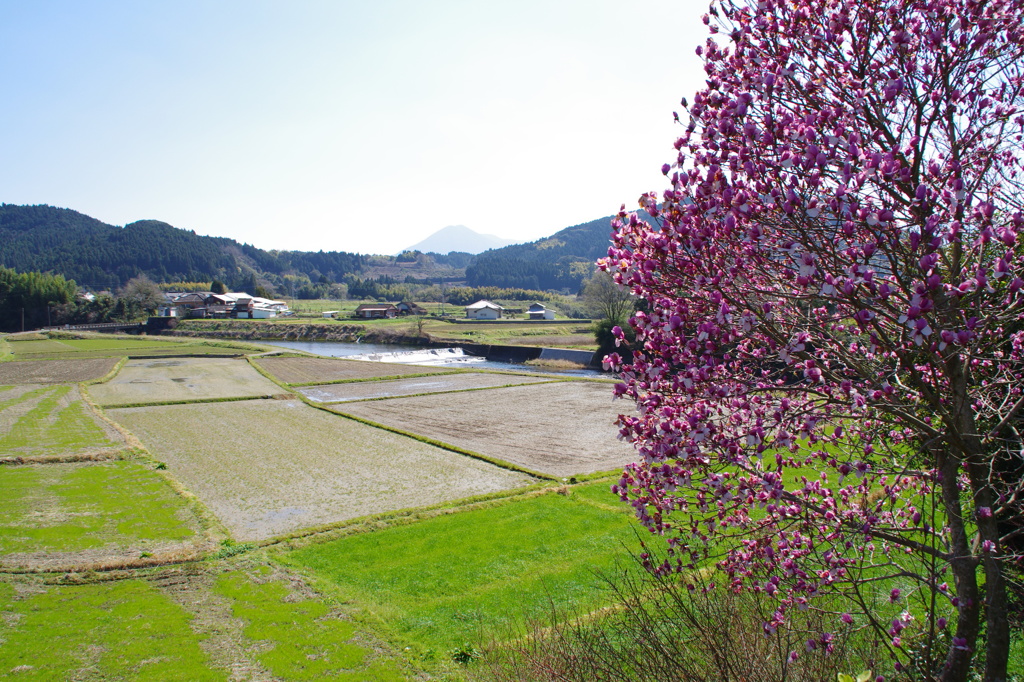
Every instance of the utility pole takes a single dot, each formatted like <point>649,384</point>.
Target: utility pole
<point>22,319</point>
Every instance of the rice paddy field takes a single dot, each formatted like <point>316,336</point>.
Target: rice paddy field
<point>91,345</point>
<point>51,420</point>
<point>271,467</point>
<point>560,429</point>
<point>90,513</point>
<point>187,518</point>
<point>371,390</point>
<point>493,569</point>
<point>182,379</point>
<point>56,371</point>
<point>248,621</point>
<point>306,370</point>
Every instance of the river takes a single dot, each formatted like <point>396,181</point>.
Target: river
<point>417,355</point>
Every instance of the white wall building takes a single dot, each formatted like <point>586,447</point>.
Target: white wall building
<point>483,310</point>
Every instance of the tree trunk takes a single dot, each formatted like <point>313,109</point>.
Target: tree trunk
<point>997,632</point>
<point>965,579</point>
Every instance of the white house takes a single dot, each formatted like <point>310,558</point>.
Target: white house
<point>483,310</point>
<point>253,307</point>
<point>538,312</point>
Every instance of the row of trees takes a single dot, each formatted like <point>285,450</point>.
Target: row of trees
<point>829,366</point>
<point>28,299</point>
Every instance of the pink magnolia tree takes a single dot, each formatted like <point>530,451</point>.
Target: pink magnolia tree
<point>829,365</point>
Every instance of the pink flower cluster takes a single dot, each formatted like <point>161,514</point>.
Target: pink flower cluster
<point>831,346</point>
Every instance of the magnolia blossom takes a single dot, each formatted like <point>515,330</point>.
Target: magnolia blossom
<point>829,365</point>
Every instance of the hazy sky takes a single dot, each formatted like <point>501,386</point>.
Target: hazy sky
<point>336,125</point>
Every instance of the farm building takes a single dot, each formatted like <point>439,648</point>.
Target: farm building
<point>206,304</point>
<point>257,308</point>
<point>537,311</point>
<point>329,314</point>
<point>410,308</point>
<point>483,310</point>
<point>191,300</point>
<point>376,311</point>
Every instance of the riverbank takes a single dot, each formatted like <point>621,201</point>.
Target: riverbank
<point>256,330</point>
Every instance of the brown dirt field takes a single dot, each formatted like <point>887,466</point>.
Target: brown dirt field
<point>168,379</point>
<point>270,467</point>
<point>108,558</point>
<point>559,429</point>
<point>366,390</point>
<point>306,370</point>
<point>55,371</point>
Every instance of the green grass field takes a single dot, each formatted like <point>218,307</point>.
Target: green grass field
<point>246,623</point>
<point>467,577</point>
<point>301,638</point>
<point>50,420</point>
<point>116,630</point>
<point>82,506</point>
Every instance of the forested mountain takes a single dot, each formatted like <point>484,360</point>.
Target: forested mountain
<point>561,261</point>
<point>101,256</point>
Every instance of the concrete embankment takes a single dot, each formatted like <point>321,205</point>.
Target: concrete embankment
<point>521,354</point>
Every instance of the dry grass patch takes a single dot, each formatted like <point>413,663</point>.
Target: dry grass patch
<point>368,390</point>
<point>269,467</point>
<point>55,371</point>
<point>560,429</point>
<point>169,380</point>
<point>555,341</point>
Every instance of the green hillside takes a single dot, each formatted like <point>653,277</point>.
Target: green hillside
<point>101,256</point>
<point>561,261</point>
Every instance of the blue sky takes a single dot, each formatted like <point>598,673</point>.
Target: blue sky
<point>357,126</point>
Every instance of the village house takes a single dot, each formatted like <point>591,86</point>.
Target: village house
<point>208,304</point>
<point>257,307</point>
<point>410,308</point>
<point>376,311</point>
<point>483,310</point>
<point>538,312</point>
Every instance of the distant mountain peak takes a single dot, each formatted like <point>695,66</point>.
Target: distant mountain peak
<point>459,238</point>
